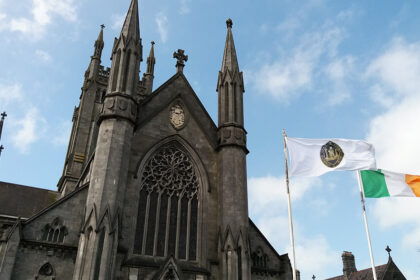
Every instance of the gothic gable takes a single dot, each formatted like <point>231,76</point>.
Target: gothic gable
<point>265,261</point>
<point>178,92</point>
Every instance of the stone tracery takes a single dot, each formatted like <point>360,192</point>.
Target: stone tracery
<point>167,220</point>
<point>170,170</point>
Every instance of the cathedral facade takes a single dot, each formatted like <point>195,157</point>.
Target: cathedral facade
<point>151,187</point>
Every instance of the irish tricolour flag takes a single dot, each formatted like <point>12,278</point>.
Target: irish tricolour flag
<point>382,183</point>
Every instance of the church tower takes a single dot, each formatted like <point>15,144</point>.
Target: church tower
<point>84,130</point>
<point>101,229</point>
<point>234,251</point>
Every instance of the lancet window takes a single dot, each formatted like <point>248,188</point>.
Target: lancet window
<point>167,222</point>
<point>259,259</point>
<point>54,232</point>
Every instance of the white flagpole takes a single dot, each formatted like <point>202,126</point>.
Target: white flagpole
<point>289,204</point>
<point>359,180</point>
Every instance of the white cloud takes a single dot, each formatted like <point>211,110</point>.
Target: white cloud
<point>289,25</point>
<point>10,93</point>
<point>27,130</point>
<point>397,68</point>
<point>268,207</point>
<point>338,72</point>
<point>162,23</point>
<point>314,255</point>
<point>3,21</point>
<point>394,132</point>
<point>117,21</point>
<point>292,72</point>
<point>43,55</point>
<point>184,7</point>
<point>396,138</point>
<point>62,134</point>
<point>43,12</point>
<point>380,96</point>
<point>395,74</point>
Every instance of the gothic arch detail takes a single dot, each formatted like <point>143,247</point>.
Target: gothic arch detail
<point>54,232</point>
<point>46,272</point>
<point>259,259</point>
<point>168,212</point>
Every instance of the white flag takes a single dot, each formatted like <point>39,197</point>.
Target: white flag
<point>314,157</point>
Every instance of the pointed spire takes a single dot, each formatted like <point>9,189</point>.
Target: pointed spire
<point>131,27</point>
<point>230,60</point>
<point>99,43</point>
<point>101,34</point>
<point>151,60</point>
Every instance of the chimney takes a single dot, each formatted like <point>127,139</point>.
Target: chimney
<point>349,265</point>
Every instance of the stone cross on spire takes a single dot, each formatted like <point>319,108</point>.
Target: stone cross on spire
<point>3,115</point>
<point>313,277</point>
<point>181,57</point>
<point>388,250</point>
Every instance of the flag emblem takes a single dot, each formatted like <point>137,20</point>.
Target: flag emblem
<point>331,154</point>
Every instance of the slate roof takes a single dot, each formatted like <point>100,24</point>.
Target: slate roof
<point>365,274</point>
<point>23,201</point>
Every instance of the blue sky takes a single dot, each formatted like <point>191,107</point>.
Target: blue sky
<point>319,69</point>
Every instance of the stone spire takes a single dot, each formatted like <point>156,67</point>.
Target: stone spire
<point>151,60</point>
<point>234,243</point>
<point>230,61</point>
<point>97,54</point>
<point>149,75</point>
<point>99,43</point>
<point>83,134</point>
<point>230,84</point>
<point>131,27</point>
<point>127,54</point>
<point>100,232</point>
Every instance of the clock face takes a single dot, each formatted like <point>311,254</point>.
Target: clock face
<point>177,116</point>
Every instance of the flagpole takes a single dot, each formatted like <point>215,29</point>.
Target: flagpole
<point>359,180</point>
<point>289,205</point>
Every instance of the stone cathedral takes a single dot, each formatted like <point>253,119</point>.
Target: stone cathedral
<point>151,187</point>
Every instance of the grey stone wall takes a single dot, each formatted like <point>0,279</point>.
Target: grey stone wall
<point>29,260</point>
<point>69,209</point>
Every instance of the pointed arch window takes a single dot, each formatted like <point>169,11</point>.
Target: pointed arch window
<point>46,272</point>
<point>54,232</point>
<point>116,70</point>
<point>167,221</point>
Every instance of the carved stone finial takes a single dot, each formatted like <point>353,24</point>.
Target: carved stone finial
<point>181,57</point>
<point>313,277</point>
<point>153,42</point>
<point>229,23</point>
<point>388,250</point>
<point>102,26</point>
<point>3,115</point>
